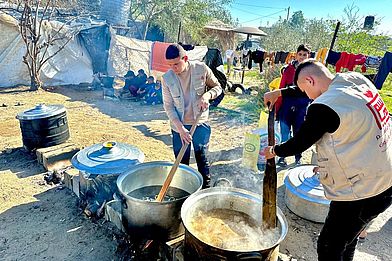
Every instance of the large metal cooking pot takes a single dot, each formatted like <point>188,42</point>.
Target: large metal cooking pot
<point>233,199</point>
<point>43,126</point>
<point>99,166</point>
<point>149,219</point>
<point>304,194</point>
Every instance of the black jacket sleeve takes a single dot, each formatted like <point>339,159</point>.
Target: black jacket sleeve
<point>293,91</point>
<point>320,119</point>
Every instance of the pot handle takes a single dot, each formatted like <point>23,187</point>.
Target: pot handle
<point>250,256</point>
<point>222,182</point>
<point>121,198</point>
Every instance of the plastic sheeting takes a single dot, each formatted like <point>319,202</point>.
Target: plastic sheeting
<point>97,42</point>
<point>128,54</point>
<point>70,66</point>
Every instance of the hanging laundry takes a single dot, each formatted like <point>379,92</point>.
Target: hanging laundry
<point>342,62</point>
<point>258,57</point>
<point>291,56</point>
<point>321,55</point>
<point>333,57</point>
<point>384,69</point>
<point>354,60</point>
<point>283,57</point>
<point>278,56</point>
<point>249,60</point>
<point>371,62</point>
<point>349,61</point>
<point>213,58</point>
<point>270,56</point>
<point>245,57</point>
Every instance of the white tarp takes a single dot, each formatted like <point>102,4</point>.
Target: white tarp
<point>72,65</point>
<point>128,54</point>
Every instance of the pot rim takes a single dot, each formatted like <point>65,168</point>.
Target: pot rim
<point>236,191</point>
<point>143,165</point>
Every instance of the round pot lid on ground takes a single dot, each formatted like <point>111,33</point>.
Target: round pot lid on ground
<point>107,158</point>
<point>41,111</point>
<point>305,195</point>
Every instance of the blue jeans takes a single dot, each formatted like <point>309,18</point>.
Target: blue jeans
<point>344,223</point>
<point>200,141</point>
<point>292,115</point>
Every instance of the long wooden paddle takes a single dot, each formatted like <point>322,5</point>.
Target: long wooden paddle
<point>180,155</point>
<point>270,179</point>
<point>169,177</point>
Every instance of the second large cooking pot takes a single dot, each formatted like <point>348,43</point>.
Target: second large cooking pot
<point>230,200</point>
<point>146,218</point>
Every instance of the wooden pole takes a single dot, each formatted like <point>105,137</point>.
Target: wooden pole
<point>179,32</point>
<point>270,180</point>
<point>334,36</point>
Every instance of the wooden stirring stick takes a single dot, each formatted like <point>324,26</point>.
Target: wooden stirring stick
<point>169,178</point>
<point>270,179</point>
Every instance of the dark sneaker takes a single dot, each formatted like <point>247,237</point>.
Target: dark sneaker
<point>298,162</point>
<point>282,162</point>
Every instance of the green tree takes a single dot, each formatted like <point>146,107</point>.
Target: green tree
<point>297,20</point>
<point>167,14</point>
<point>353,38</point>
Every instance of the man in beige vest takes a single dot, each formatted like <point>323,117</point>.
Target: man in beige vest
<point>351,127</point>
<point>187,89</point>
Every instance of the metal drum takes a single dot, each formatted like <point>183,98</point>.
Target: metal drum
<point>99,167</point>
<point>43,126</point>
<point>304,194</point>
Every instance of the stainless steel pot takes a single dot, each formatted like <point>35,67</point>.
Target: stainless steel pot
<point>232,199</point>
<point>305,195</point>
<point>99,166</point>
<point>149,219</point>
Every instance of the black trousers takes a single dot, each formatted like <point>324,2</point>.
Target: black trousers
<point>344,223</point>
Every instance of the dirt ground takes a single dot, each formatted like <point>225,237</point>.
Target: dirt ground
<point>43,222</point>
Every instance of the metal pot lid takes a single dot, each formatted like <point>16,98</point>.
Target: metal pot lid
<point>107,158</point>
<point>304,183</point>
<point>41,111</point>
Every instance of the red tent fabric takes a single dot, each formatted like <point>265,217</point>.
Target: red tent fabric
<point>158,61</point>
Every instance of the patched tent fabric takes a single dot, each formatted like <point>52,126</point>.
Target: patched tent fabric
<point>70,66</point>
<point>128,54</point>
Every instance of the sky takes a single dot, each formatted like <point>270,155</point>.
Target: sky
<point>267,12</point>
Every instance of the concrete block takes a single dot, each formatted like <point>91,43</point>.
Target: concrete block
<point>76,185</point>
<point>173,249</point>
<point>59,158</point>
<point>39,152</point>
<point>68,177</point>
<point>113,213</point>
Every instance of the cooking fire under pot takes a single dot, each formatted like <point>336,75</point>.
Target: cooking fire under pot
<point>224,224</point>
<point>144,217</point>
<point>99,167</point>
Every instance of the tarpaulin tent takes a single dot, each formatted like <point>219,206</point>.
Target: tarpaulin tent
<point>70,66</point>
